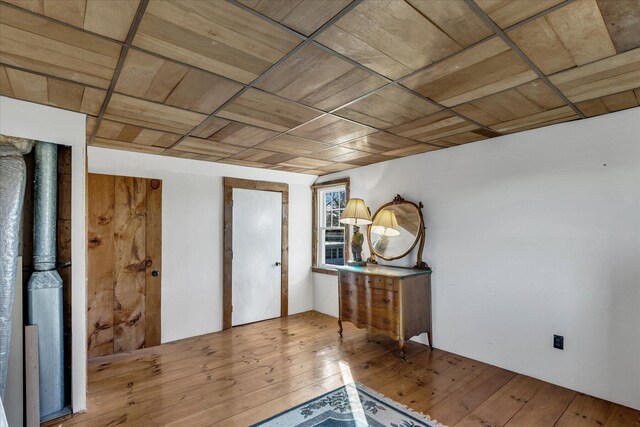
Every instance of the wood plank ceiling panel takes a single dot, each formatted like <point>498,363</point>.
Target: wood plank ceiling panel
<point>156,79</point>
<point>147,114</point>
<point>303,16</point>
<point>289,144</point>
<point>37,44</point>
<point>207,147</point>
<point>256,155</point>
<point>506,13</point>
<point>390,106</point>
<point>622,18</point>
<point>128,133</point>
<point>396,38</point>
<point>524,100</point>
<point>111,18</point>
<point>50,91</point>
<point>268,111</point>
<point>545,118</point>
<point>331,130</point>
<point>482,70</point>
<point>433,127</point>
<point>597,79</point>
<point>242,135</point>
<point>319,79</point>
<point>306,162</point>
<point>334,167</point>
<point>610,103</point>
<point>573,35</point>
<point>340,154</point>
<point>418,148</point>
<point>215,36</point>
<point>378,143</point>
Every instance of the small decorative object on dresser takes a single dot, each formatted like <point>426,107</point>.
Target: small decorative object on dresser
<point>356,213</point>
<point>395,301</point>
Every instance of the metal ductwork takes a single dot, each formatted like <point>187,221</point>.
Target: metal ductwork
<point>12,183</point>
<point>44,291</point>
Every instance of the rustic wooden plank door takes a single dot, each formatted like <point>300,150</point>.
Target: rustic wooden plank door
<point>124,263</point>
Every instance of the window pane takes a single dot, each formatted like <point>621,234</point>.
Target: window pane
<point>334,247</point>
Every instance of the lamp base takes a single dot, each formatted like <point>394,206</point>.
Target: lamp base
<point>357,263</point>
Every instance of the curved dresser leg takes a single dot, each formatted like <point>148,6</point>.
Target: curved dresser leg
<point>402,347</point>
<point>340,327</point>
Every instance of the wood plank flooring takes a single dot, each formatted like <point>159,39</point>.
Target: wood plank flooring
<point>241,376</point>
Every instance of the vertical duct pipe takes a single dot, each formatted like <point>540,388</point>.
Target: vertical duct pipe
<point>44,291</point>
<point>12,182</point>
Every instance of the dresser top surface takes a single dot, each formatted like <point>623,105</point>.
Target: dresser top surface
<point>383,270</point>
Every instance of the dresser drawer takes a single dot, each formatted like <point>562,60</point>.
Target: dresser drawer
<point>380,282</point>
<point>351,279</point>
<point>385,320</point>
<point>382,299</point>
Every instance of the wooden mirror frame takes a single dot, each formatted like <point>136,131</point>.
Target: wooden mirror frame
<point>399,200</point>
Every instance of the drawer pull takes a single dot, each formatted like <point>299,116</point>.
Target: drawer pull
<point>386,321</point>
<point>349,292</point>
<point>385,301</point>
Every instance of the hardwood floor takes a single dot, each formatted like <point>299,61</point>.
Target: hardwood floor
<point>246,374</point>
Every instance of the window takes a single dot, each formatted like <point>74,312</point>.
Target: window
<point>331,250</point>
<point>330,237</point>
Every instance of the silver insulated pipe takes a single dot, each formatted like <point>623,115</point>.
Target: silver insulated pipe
<point>44,291</point>
<point>12,182</point>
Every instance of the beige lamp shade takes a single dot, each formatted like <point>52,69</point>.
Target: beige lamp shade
<point>385,224</point>
<point>356,213</point>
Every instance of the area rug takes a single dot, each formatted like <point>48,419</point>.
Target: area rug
<point>350,405</point>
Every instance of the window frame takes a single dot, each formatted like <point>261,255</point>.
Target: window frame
<point>317,228</point>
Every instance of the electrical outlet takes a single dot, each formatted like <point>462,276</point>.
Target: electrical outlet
<point>558,342</point>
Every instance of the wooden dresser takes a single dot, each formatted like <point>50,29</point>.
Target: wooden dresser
<point>390,300</point>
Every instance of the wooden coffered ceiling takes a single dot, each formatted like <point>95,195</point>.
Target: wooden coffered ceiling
<point>318,86</point>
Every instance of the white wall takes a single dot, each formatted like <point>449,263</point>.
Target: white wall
<point>42,123</point>
<point>530,235</point>
<point>192,231</point>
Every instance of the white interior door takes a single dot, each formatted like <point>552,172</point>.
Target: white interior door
<point>257,248</point>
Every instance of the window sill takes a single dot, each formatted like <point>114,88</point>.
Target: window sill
<point>323,270</point>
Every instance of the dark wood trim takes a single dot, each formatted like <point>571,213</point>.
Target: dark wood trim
<point>314,221</point>
<point>324,271</point>
<point>227,264</point>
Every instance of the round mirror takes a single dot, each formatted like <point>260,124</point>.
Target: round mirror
<point>396,228</point>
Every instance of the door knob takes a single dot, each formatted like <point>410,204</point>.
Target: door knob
<point>278,263</point>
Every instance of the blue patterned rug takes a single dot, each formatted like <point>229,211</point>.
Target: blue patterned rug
<point>350,405</point>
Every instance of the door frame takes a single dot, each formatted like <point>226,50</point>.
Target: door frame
<point>227,265</point>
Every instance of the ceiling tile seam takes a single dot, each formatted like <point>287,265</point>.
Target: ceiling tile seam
<point>305,41</point>
<point>538,15</point>
<point>336,18</point>
<point>184,64</point>
<point>142,7</point>
<point>272,21</point>
<point>426,67</point>
<point>521,54</point>
<point>425,17</point>
<point>448,109</point>
<point>65,24</point>
<point>49,76</point>
<point>360,66</point>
